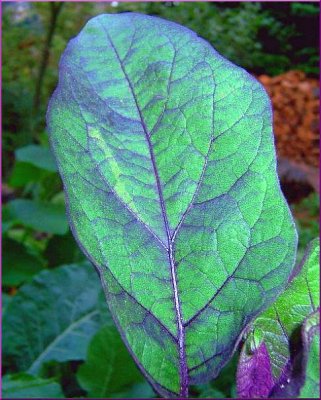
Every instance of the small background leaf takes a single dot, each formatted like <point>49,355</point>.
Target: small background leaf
<point>209,392</point>
<point>19,265</point>
<point>37,156</point>
<point>25,386</point>
<point>43,217</point>
<point>52,318</point>
<point>5,302</point>
<point>62,250</point>
<point>108,368</point>
<point>141,390</point>
<point>25,174</point>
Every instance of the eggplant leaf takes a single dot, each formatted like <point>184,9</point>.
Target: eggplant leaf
<point>300,377</point>
<point>254,375</point>
<point>166,152</point>
<point>52,318</point>
<point>311,345</point>
<point>279,328</point>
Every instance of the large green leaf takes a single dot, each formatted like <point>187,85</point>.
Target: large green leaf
<point>108,368</point>
<point>43,217</point>
<point>166,153</point>
<point>25,386</point>
<point>279,327</point>
<point>52,318</point>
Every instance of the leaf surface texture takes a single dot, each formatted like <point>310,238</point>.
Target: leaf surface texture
<point>166,153</point>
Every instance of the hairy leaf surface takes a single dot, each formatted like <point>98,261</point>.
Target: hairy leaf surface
<point>166,153</point>
<point>281,328</point>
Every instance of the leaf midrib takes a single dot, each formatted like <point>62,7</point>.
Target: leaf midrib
<point>181,330</point>
<point>96,263</point>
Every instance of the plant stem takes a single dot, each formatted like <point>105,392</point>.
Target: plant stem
<point>55,9</point>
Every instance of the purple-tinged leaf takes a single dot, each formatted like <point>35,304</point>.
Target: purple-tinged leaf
<point>280,326</point>
<point>254,374</point>
<point>167,157</point>
<point>301,377</point>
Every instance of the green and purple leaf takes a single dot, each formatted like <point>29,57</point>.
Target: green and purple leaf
<point>254,375</point>
<point>301,376</point>
<point>166,152</point>
<point>286,329</point>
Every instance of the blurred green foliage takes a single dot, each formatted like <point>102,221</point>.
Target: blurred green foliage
<point>307,221</point>
<point>41,258</point>
<point>261,37</point>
